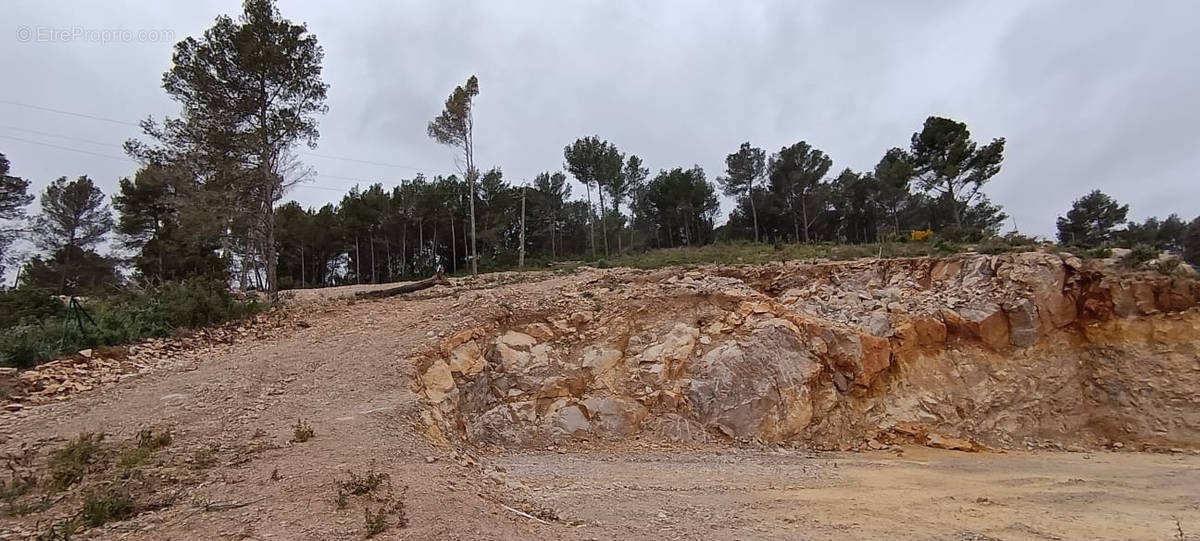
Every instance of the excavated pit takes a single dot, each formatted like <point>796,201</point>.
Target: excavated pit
<point>965,352</point>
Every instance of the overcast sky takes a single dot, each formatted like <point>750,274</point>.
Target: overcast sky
<point>1089,94</point>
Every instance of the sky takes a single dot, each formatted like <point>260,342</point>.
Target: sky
<point>1088,94</point>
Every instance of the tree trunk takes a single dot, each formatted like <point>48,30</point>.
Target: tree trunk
<point>474,246</point>
<point>374,277</point>
<point>357,262</point>
<point>603,219</point>
<point>804,215</point>
<point>753,210</point>
<point>387,257</point>
<point>591,217</point>
<point>453,248</point>
<point>435,280</point>
<point>521,254</point>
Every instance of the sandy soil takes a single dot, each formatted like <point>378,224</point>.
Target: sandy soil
<point>343,368</point>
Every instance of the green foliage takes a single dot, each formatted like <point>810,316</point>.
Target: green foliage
<point>160,217</point>
<point>74,219</point>
<point>795,175</point>
<point>71,270</point>
<point>14,197</point>
<point>1091,220</point>
<point>27,305</point>
<point>40,334</point>
<point>147,442</point>
<point>455,126</point>
<point>69,464</point>
<point>1191,242</point>
<point>994,245</point>
<point>102,507</point>
<point>680,206</point>
<point>1139,255</point>
<point>948,163</point>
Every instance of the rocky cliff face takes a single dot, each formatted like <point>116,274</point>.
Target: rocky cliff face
<point>1008,350</point>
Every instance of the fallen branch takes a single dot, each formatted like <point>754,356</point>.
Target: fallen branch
<point>226,506</point>
<point>524,514</point>
<point>435,280</point>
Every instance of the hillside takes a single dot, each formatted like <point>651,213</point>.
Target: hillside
<point>1014,396</point>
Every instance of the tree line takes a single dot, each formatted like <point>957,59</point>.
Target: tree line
<point>207,199</point>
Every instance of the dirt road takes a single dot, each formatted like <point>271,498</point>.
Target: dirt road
<point>233,472</point>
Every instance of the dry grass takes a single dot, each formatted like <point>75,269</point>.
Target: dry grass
<point>302,431</point>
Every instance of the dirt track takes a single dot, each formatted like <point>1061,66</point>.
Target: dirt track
<point>345,370</point>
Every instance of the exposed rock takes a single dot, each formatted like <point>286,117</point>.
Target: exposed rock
<point>1024,325</point>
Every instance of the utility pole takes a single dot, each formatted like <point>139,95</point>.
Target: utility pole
<point>521,257</point>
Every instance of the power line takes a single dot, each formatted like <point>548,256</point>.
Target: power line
<point>68,149</point>
<point>48,134</point>
<point>136,125</point>
<point>126,159</point>
<point>71,113</point>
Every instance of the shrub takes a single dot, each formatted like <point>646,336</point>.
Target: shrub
<point>302,432</point>
<point>69,464</point>
<point>994,245</point>
<point>27,305</point>
<point>1139,256</point>
<point>100,508</point>
<point>44,330</point>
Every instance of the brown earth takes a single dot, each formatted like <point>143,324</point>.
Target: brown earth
<point>714,403</point>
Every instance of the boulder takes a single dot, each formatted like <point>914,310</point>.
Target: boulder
<point>438,381</point>
<point>467,359</point>
<point>614,415</point>
<point>570,421</point>
<point>1023,322</point>
<point>986,322</point>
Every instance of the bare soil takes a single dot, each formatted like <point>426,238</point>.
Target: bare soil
<point>345,369</point>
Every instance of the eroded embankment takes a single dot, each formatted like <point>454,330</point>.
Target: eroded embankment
<point>1006,350</point>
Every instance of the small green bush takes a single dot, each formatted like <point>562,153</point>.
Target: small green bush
<point>994,245</point>
<point>69,464</point>
<point>100,508</point>
<point>1139,256</point>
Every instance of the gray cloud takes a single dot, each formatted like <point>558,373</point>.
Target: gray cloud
<point>1088,94</point>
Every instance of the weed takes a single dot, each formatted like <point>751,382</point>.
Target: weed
<point>993,246</point>
<point>147,439</point>
<point>302,432</point>
<point>60,531</point>
<point>275,475</point>
<point>1168,267</point>
<point>341,500</point>
<point>69,464</point>
<point>147,443</point>
<point>204,458</point>
<point>100,508</point>
<point>365,484</point>
<point>375,523</point>
<point>20,508</point>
